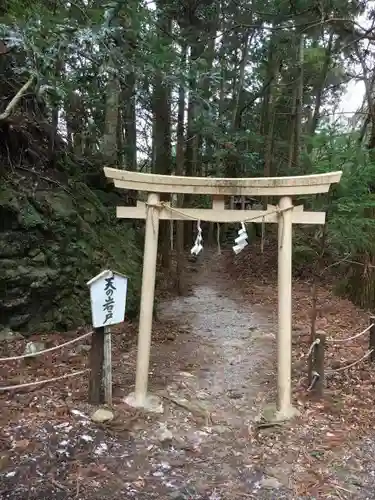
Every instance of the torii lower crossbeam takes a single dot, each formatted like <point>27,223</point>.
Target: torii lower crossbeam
<point>216,214</point>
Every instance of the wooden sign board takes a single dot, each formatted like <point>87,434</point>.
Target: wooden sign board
<point>108,298</point>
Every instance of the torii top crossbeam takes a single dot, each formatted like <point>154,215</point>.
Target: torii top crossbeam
<point>260,186</point>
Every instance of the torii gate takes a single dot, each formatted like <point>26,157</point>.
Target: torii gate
<point>285,214</point>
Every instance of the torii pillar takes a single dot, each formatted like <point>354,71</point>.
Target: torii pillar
<point>284,290</point>
<point>285,215</point>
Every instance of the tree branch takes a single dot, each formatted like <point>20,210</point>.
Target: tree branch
<point>16,99</point>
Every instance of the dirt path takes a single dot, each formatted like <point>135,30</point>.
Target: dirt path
<point>222,369</point>
<point>229,344</point>
<point>215,376</point>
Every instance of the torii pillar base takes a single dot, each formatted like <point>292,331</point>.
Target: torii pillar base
<point>150,403</point>
<point>271,414</point>
<point>282,416</point>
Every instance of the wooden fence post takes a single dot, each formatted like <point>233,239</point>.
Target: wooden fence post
<point>107,366</point>
<point>310,362</point>
<point>96,366</point>
<point>372,339</point>
<point>319,363</point>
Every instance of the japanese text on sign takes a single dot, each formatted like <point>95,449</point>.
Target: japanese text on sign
<point>108,305</point>
<point>108,298</point>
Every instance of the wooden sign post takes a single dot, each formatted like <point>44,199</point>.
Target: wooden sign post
<point>108,299</point>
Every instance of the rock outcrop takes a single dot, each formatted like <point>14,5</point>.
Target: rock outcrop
<point>56,232</point>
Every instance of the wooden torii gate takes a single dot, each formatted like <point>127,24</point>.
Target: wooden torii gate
<point>285,215</point>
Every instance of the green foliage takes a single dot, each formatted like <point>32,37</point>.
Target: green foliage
<point>242,76</point>
<point>350,207</point>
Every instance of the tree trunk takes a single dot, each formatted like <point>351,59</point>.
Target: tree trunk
<point>161,104</point>
<point>296,118</point>
<point>299,104</point>
<point>180,284</point>
<point>111,122</point>
<point>75,123</point>
<point>236,116</point>
<point>120,138</point>
<point>268,118</point>
<point>192,139</point>
<point>130,122</point>
<point>319,93</point>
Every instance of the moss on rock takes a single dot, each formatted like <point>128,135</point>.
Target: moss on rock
<point>51,243</point>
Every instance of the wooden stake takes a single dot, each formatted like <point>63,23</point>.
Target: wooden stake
<point>372,339</point>
<point>96,366</point>
<point>312,331</point>
<point>319,363</point>
<point>107,366</point>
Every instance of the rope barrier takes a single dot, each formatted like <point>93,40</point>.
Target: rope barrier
<point>316,342</point>
<point>342,368</point>
<point>40,382</point>
<point>315,378</point>
<point>31,355</point>
<point>277,211</point>
<point>353,337</point>
<point>186,215</point>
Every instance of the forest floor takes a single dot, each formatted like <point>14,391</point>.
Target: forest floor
<point>213,364</point>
